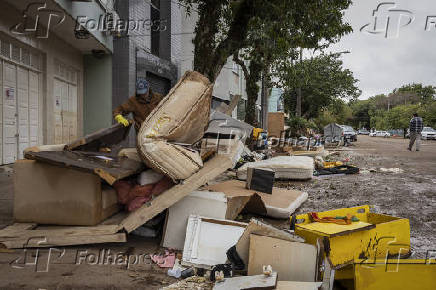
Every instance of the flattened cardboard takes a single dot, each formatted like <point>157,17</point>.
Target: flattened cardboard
<point>276,124</point>
<point>293,261</point>
<point>261,229</point>
<point>280,204</point>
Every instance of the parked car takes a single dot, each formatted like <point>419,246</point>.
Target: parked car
<point>363,132</point>
<point>380,134</point>
<point>428,133</point>
<point>349,133</point>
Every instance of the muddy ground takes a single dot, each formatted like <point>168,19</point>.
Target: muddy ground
<point>410,194</point>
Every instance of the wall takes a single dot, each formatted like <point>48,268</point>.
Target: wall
<point>93,11</point>
<point>276,93</point>
<point>98,93</point>
<point>52,48</point>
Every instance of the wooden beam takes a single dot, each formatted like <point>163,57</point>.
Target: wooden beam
<point>211,170</point>
<point>56,241</point>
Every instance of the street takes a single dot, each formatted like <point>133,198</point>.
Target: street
<point>410,194</point>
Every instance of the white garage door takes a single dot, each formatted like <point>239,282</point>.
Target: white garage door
<point>19,102</point>
<point>65,106</point>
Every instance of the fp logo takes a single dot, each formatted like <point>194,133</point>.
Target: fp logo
<point>388,20</point>
<point>37,20</point>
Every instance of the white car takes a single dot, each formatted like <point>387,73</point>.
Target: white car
<point>380,134</point>
<point>428,133</point>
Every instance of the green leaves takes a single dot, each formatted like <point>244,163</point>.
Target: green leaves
<point>323,81</point>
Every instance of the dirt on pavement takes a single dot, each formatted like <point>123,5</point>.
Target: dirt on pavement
<point>410,194</point>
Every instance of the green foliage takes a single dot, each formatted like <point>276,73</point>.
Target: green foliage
<point>262,32</point>
<point>337,112</point>
<point>395,110</point>
<point>298,126</point>
<point>323,81</point>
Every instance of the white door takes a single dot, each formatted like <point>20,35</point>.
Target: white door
<point>72,106</point>
<point>33,107</point>
<point>9,113</point>
<point>57,111</point>
<point>23,110</point>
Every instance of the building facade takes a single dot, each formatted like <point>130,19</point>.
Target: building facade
<point>275,100</point>
<point>164,51</point>
<point>47,63</point>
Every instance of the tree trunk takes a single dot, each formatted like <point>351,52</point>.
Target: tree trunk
<point>209,56</point>
<point>299,93</point>
<point>252,89</point>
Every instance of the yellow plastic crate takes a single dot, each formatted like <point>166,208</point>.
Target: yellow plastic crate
<point>374,236</point>
<point>394,274</point>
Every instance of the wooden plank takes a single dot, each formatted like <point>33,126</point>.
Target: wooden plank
<point>110,170</point>
<point>248,282</point>
<point>211,170</point>
<point>55,241</point>
<point>19,227</point>
<point>102,138</point>
<point>70,231</point>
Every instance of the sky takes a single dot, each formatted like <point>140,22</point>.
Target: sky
<point>385,61</point>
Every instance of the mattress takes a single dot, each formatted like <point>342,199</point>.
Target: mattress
<point>180,118</point>
<point>285,167</point>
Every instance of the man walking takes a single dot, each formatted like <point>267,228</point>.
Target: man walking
<point>415,128</point>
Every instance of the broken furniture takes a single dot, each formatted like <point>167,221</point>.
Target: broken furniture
<point>49,194</point>
<point>207,241</point>
<point>46,187</point>
<point>202,203</point>
<point>373,236</point>
<point>280,204</point>
<point>285,167</point>
<point>259,282</point>
<point>223,126</point>
<point>260,179</point>
<point>293,261</point>
<point>120,223</point>
<point>180,118</point>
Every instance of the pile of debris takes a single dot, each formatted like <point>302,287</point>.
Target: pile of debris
<point>174,182</point>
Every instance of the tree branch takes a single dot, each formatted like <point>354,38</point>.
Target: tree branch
<point>241,63</point>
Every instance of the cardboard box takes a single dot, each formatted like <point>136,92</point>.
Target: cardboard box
<point>276,124</point>
<point>48,194</point>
